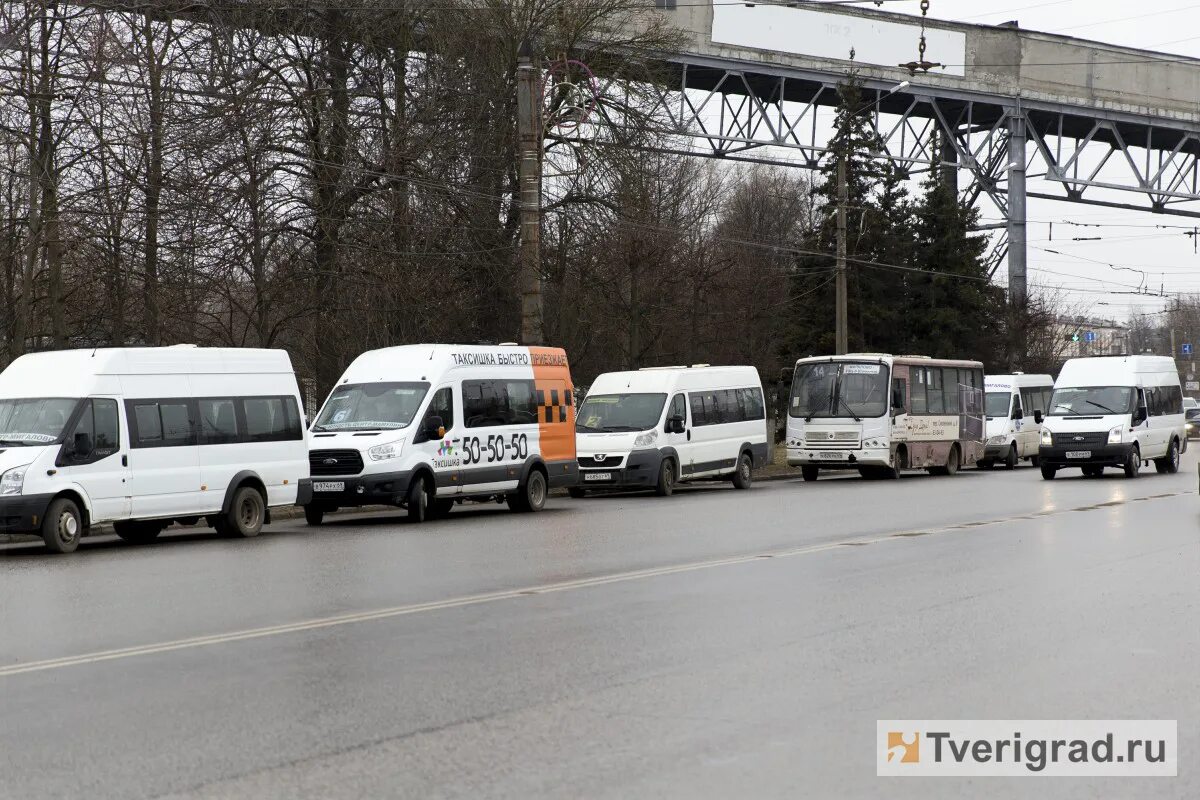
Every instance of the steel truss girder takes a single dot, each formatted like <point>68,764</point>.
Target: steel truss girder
<point>772,118</point>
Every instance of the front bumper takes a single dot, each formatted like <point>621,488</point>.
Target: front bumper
<point>996,450</point>
<point>640,472</point>
<point>382,488</point>
<point>1108,455</point>
<point>839,459</point>
<point>23,513</point>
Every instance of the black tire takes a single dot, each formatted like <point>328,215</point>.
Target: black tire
<point>1035,461</point>
<point>440,508</point>
<point>314,515</point>
<point>952,462</point>
<point>1093,471</point>
<point>1010,460</point>
<point>247,514</point>
<point>62,527</point>
<point>809,472</point>
<point>1169,464</point>
<point>532,495</point>
<point>665,487</point>
<point>1133,464</point>
<point>138,531</point>
<point>743,476</point>
<point>867,473</point>
<point>417,500</point>
<point>1048,472</point>
<point>577,492</point>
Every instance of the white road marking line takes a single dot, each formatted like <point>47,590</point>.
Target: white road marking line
<point>491,597</point>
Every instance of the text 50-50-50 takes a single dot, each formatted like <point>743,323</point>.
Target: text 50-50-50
<point>479,450</point>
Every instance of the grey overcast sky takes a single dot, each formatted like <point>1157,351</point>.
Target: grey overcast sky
<point>1129,238</point>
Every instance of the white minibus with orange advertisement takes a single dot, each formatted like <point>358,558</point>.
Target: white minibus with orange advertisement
<point>426,426</point>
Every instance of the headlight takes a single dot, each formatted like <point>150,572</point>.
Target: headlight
<point>646,439</point>
<point>1047,437</point>
<point>1114,436</point>
<point>13,481</point>
<point>996,440</point>
<point>382,452</point>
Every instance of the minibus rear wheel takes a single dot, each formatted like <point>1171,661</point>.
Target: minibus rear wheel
<point>531,496</point>
<point>246,514</point>
<point>743,476</point>
<point>62,526</point>
<point>1169,464</point>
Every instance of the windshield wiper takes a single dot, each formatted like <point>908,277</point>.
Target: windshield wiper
<point>12,442</point>
<point>582,427</point>
<point>847,406</point>
<point>620,429</point>
<point>1099,405</point>
<point>319,428</point>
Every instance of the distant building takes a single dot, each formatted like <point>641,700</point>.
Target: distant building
<point>1093,337</point>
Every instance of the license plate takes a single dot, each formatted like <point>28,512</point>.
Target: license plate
<point>597,476</point>
<point>831,456</point>
<point>329,486</point>
<point>1079,454</point>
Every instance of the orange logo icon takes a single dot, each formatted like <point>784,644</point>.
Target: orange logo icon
<point>903,747</point>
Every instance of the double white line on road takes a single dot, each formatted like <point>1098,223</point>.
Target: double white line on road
<point>491,597</point>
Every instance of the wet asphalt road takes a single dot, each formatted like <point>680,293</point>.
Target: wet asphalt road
<point>713,644</point>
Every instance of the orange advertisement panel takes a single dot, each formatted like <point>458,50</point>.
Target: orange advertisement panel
<point>556,395</point>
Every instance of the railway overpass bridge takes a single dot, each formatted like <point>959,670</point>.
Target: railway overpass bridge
<point>1028,114</point>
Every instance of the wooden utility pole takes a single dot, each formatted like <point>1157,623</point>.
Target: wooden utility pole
<point>529,141</point>
<point>841,337</point>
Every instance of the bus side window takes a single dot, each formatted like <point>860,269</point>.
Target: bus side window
<point>920,379</point>
<point>899,395</point>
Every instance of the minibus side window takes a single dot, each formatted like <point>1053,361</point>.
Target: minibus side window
<point>218,420</point>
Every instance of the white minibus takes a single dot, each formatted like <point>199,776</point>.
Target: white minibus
<point>651,428</point>
<point>1015,406</point>
<point>426,426</point>
<point>1114,411</point>
<point>143,437</point>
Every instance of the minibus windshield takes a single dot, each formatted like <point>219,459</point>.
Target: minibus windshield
<point>34,421</point>
<point>996,404</point>
<point>1080,401</point>
<point>840,389</point>
<point>371,406</point>
<point>611,413</point>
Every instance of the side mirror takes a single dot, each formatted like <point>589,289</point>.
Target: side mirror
<point>433,428</point>
<point>1018,414</point>
<point>81,447</point>
<point>676,425</point>
<point>1037,417</point>
<point>1140,415</point>
<point>897,403</point>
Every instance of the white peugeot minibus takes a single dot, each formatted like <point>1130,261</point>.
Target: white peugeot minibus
<point>1015,406</point>
<point>426,426</point>
<point>651,428</point>
<point>1114,411</point>
<point>143,437</point>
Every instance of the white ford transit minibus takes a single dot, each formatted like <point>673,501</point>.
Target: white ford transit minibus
<point>651,428</point>
<point>1114,411</point>
<point>1015,406</point>
<point>426,426</point>
<point>142,437</point>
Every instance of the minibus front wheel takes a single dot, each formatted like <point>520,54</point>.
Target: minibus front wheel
<point>63,526</point>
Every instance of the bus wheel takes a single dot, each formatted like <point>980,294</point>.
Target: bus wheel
<point>1133,464</point>
<point>531,496</point>
<point>666,478</point>
<point>418,501</point>
<point>62,526</point>
<point>1169,464</point>
<point>809,472</point>
<point>743,477</point>
<point>1010,461</point>
<point>246,514</point>
<point>951,467</point>
<point>1048,472</point>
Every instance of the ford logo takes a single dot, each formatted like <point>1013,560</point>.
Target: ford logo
<point>329,462</point>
